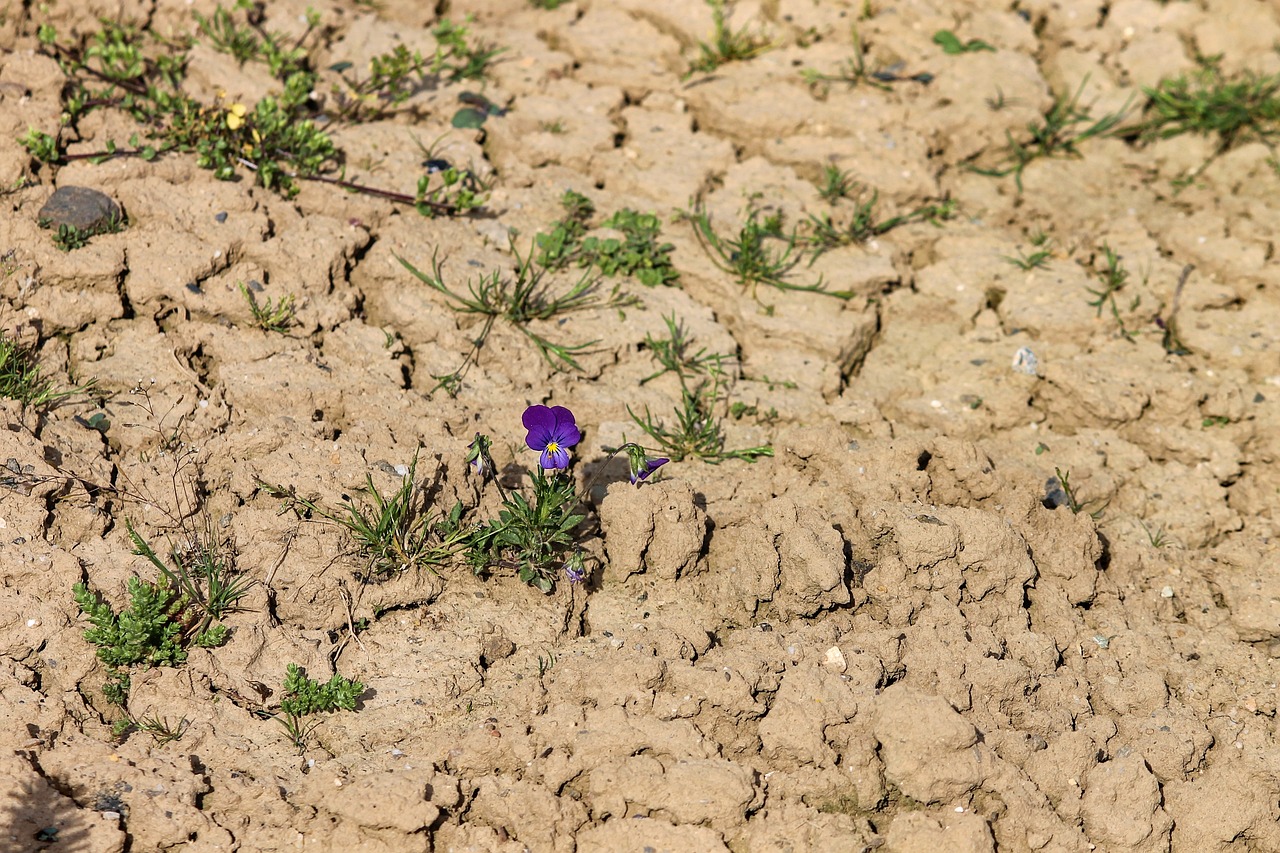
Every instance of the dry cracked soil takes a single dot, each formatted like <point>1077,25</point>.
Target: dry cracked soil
<point>901,631</point>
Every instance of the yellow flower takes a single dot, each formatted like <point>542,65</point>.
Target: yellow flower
<point>235,116</point>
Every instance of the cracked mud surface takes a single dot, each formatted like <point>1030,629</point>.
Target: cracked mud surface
<point>882,637</point>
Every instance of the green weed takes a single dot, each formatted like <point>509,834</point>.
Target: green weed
<point>637,254</point>
<point>836,183</point>
<point>855,71</point>
<point>864,224</point>
<point>1207,103</point>
<point>395,532</point>
<point>696,430</point>
<point>304,697</point>
<point>68,238</point>
<point>761,253</point>
<point>1058,134</point>
<point>269,317</point>
<point>1073,502</point>
<point>519,301</point>
<point>1113,277</point>
<point>531,536</point>
<point>952,46</point>
<point>674,354</point>
<point>1042,245</point>
<point>22,379</point>
<point>727,45</point>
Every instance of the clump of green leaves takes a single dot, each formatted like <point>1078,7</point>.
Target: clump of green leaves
<point>1058,134</point>
<point>837,183</point>
<point>395,532</point>
<point>304,697</point>
<point>252,42</point>
<point>727,45</point>
<point>22,379</point>
<point>952,46</point>
<point>864,223</point>
<point>675,354</point>
<point>534,535</point>
<point>68,238</point>
<point>270,316</point>
<point>519,300</point>
<point>1038,258</point>
<point>637,254</point>
<point>1208,103</point>
<point>762,253</point>
<point>1112,276</point>
<point>163,619</point>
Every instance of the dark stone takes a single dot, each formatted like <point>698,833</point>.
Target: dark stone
<point>220,217</point>
<point>80,208</point>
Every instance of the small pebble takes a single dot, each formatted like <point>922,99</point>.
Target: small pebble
<point>1167,592</point>
<point>193,287</point>
<point>220,217</point>
<point>33,623</point>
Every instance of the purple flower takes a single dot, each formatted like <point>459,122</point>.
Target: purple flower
<point>478,455</point>
<point>553,431</point>
<point>574,570</point>
<point>641,464</point>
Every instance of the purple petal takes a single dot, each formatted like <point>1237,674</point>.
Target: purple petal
<point>540,422</point>
<point>554,459</point>
<point>566,428</point>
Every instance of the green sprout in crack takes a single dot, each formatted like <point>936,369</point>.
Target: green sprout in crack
<point>1208,103</point>
<point>269,316</point>
<point>394,532</point>
<point>836,183</point>
<point>1042,245</point>
<point>864,224</point>
<point>637,254</point>
<point>304,698</point>
<point>727,45</point>
<point>68,238</point>
<point>519,300</point>
<point>1058,134</point>
<point>1113,277</point>
<point>761,254</point>
<point>696,430</point>
<point>675,354</point>
<point>22,378</point>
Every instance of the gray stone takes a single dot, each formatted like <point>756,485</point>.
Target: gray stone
<point>80,208</point>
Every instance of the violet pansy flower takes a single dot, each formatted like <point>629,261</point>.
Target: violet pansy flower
<point>552,431</point>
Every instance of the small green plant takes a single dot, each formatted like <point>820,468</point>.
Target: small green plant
<point>1069,494</point>
<point>751,257</point>
<point>519,301</point>
<point>674,354</point>
<point>1038,258</point>
<point>457,57</point>
<point>836,183</point>
<point>163,620</point>
<point>697,430</point>
<point>22,379</point>
<point>1059,134</point>
<point>304,697</point>
<point>269,317</point>
<point>727,45</point>
<point>637,254</point>
<point>40,145</point>
<point>1215,421</point>
<point>1113,277</point>
<point>864,224</point>
<point>395,532</point>
<point>68,238</point>
<point>952,46</point>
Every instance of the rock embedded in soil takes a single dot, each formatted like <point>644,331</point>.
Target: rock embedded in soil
<point>81,208</point>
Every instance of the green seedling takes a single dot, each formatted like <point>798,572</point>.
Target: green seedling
<point>1058,134</point>
<point>22,379</point>
<point>68,238</point>
<point>674,354</point>
<point>163,620</point>
<point>1215,421</point>
<point>1156,537</point>
<point>269,317</point>
<point>637,254</point>
<point>952,46</point>
<point>865,224</point>
<point>395,532</point>
<point>1042,245</point>
<point>697,430</point>
<point>40,145</point>
<point>1207,103</point>
<point>727,45</point>
<point>761,254</point>
<point>304,698</point>
<point>519,301</point>
<point>1073,502</point>
<point>1113,278</point>
<point>531,536</point>
<point>253,43</point>
<point>836,183</point>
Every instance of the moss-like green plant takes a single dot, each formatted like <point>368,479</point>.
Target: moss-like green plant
<point>304,697</point>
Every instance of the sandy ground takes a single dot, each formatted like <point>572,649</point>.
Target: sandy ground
<point>890,635</point>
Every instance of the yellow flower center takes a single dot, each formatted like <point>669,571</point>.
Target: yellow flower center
<point>553,446</point>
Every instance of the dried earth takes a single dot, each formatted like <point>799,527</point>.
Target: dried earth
<point>892,634</point>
